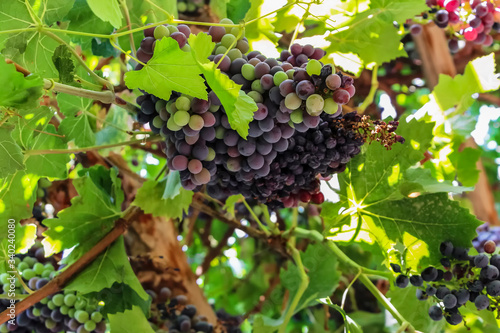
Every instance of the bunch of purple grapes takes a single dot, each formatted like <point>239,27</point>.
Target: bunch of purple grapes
<point>61,312</point>
<point>297,135</point>
<point>175,314</point>
<point>464,278</point>
<point>473,20</point>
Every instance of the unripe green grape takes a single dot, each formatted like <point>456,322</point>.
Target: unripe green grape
<point>292,101</point>
<point>227,21</point>
<point>243,46</point>
<point>330,106</point>
<point>158,122</point>
<point>296,116</point>
<point>181,118</point>
<point>58,299</point>
<point>172,29</point>
<point>64,309</point>
<point>256,96</point>
<point>214,108</point>
<point>81,316</point>
<point>22,266</point>
<point>70,299</point>
<point>211,155</point>
<point>315,104</point>
<point>313,67</point>
<point>49,323</point>
<point>18,283</point>
<point>28,274</point>
<point>186,48</point>
<point>171,125</point>
<point>219,132</point>
<point>48,267</point>
<point>44,300</point>
<point>90,325</point>
<point>160,104</point>
<point>228,40</point>
<point>51,305</point>
<point>279,77</point>
<point>196,122</point>
<point>183,103</point>
<point>90,308</point>
<point>40,193</point>
<point>248,72</point>
<point>221,50</point>
<point>290,73</point>
<point>38,268</point>
<point>37,312</point>
<point>182,7</point>
<point>236,31</point>
<point>4,329</point>
<point>97,316</point>
<point>4,278</point>
<point>191,7</point>
<point>234,54</point>
<point>80,304</point>
<point>71,312</point>
<point>46,274</point>
<point>161,31</point>
<point>257,86</point>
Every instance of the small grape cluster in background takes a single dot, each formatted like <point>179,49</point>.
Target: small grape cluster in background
<point>190,7</point>
<point>486,233</point>
<point>62,312</point>
<point>473,20</point>
<point>297,136</point>
<point>464,279</point>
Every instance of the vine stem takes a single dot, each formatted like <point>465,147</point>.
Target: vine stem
<point>57,283</point>
<point>123,4</point>
<point>92,148</point>
<point>256,218</point>
<point>304,282</point>
<point>373,89</point>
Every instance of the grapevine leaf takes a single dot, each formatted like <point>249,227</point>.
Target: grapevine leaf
<point>264,324</point>
<point>321,267</point>
<point>102,48</point>
<point>18,91</point>
<point>465,163</point>
<point>237,9</point>
<point>239,107</point>
<point>413,310</point>
<point>90,216</point>
<point>47,165</point>
<point>17,195</point>
<point>32,121</point>
<point>397,11</point>
<point>349,323</point>
<point>231,202</point>
<point>24,238</point>
<point>77,129</point>
<point>116,119</point>
<point>130,321</point>
<point>110,267</point>
<point>284,21</point>
<point>169,69</point>
<point>219,7</point>
<point>479,76</point>
<point>173,186</point>
<point>375,174</point>
<point>55,10</point>
<point>81,18</point>
<point>421,224</point>
<point>262,26</point>
<point>120,297</point>
<point>13,15</point>
<point>12,156</point>
<point>418,180</point>
<point>108,11</point>
<point>70,105</point>
<point>64,64</point>
<point>331,214</point>
<point>148,198</point>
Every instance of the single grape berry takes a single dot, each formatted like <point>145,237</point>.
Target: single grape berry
<point>482,302</point>
<point>446,248</point>
<point>402,281</point>
<point>421,295</point>
<point>462,296</point>
<point>481,260</point>
<point>396,268</point>
<point>461,253</point>
<point>454,318</point>
<point>493,288</point>
<point>489,272</point>
<point>442,291</point>
<point>450,301</point>
<point>490,247</point>
<point>416,280</point>
<point>429,274</point>
<point>495,260</point>
<point>435,313</point>
<point>476,286</point>
<point>430,290</point>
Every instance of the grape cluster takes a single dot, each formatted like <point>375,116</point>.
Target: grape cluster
<point>298,133</point>
<point>473,20</point>
<point>61,312</point>
<point>175,314</point>
<point>465,278</point>
<point>486,233</point>
<point>189,7</point>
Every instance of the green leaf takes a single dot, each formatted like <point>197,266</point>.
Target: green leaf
<point>70,105</point>
<point>219,7</point>
<point>413,310</point>
<point>31,122</point>
<point>321,267</point>
<point>173,186</point>
<point>479,76</point>
<point>78,129</point>
<point>64,64</point>
<point>350,324</point>
<point>108,11</point>
<point>12,156</point>
<point>13,15</point>
<point>47,165</point>
<point>332,214</point>
<point>237,9</point>
<point>169,69</point>
<point>261,27</point>
<point>18,91</point>
<point>55,10</point>
<point>390,11</point>
<point>110,267</point>
<point>264,324</point>
<point>421,181</point>
<point>231,201</point>
<point>130,321</point>
<point>465,163</point>
<point>120,297</point>
<point>114,130</point>
<point>421,224</point>
<point>89,218</point>
<point>149,198</point>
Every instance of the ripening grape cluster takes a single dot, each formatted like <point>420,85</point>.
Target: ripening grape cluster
<point>473,20</point>
<point>189,7</point>
<point>297,135</point>
<point>486,233</point>
<point>175,314</point>
<point>465,278</point>
<point>61,312</point>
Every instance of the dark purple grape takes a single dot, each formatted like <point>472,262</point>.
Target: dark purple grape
<point>442,291</point>
<point>481,260</point>
<point>450,301</point>
<point>395,267</point>
<point>435,313</point>
<point>493,288</point>
<point>402,281</point>
<point>416,280</point>
<point>429,274</point>
<point>482,302</point>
